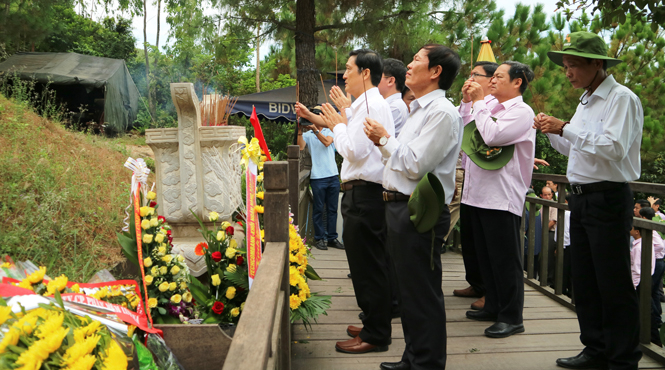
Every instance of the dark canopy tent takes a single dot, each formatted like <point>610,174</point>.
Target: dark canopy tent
<point>102,85</point>
<point>279,104</point>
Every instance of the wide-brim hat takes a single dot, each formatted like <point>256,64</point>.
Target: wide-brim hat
<point>484,156</point>
<point>426,203</point>
<point>586,45</point>
<point>530,205</point>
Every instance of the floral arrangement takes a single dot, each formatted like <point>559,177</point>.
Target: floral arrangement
<point>121,294</point>
<point>224,298</point>
<point>304,304</point>
<point>166,275</point>
<point>53,338</point>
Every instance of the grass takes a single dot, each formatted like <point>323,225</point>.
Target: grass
<point>63,193</point>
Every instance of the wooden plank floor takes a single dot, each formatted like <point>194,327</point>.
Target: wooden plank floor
<point>552,330</point>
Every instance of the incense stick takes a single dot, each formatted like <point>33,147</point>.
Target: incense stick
<point>366,103</point>
<point>336,67</point>
<point>324,88</point>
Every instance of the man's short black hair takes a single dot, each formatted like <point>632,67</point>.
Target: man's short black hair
<point>643,203</point>
<point>369,59</point>
<point>648,213</point>
<point>658,202</point>
<point>489,67</point>
<point>405,90</point>
<point>395,68</point>
<point>449,61</point>
<point>589,60</point>
<point>520,70</point>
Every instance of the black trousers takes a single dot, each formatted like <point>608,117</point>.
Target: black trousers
<point>471,265</point>
<point>605,299</point>
<point>495,236</point>
<point>364,234</point>
<point>423,311</point>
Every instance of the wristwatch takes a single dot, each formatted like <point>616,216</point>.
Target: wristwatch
<point>384,140</point>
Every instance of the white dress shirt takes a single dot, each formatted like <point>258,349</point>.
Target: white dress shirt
<point>602,140</point>
<point>399,110</point>
<point>658,245</point>
<point>566,229</point>
<point>430,142</point>
<point>636,261</point>
<point>362,159</point>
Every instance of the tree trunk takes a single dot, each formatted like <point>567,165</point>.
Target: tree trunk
<point>151,103</point>
<point>258,59</point>
<point>159,11</point>
<point>306,52</point>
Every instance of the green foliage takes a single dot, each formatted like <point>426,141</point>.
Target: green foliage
<point>618,11</point>
<point>310,309</point>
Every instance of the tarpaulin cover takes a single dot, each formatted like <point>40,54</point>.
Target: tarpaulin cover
<point>280,104</point>
<point>121,103</point>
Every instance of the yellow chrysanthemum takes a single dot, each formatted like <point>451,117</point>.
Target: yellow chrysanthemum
<point>76,288</point>
<point>79,350</point>
<point>37,276</point>
<point>115,357</point>
<point>49,325</point>
<point>294,301</point>
<point>294,276</point>
<point>6,265</point>
<point>84,363</point>
<point>302,295</point>
<point>260,195</point>
<point>5,314</point>
<point>11,338</point>
<point>259,209</point>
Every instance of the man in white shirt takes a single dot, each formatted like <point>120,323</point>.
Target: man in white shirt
<point>390,87</point>
<point>648,213</point>
<point>602,141</point>
<point>363,209</point>
<point>429,144</point>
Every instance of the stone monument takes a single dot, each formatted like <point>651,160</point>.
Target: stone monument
<point>198,169</point>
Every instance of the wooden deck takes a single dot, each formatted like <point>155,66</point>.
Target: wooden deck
<point>552,330</point>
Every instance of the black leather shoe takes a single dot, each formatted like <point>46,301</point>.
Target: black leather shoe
<point>320,244</point>
<point>395,366</point>
<point>480,315</point>
<point>335,244</point>
<point>502,330</point>
<point>348,275</point>
<point>582,361</point>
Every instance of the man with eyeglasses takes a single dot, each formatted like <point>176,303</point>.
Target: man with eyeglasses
<point>481,76</point>
<point>497,175</point>
<point>602,141</point>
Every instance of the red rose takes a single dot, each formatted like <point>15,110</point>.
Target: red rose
<point>218,307</point>
<point>239,260</point>
<point>161,218</point>
<point>168,232</point>
<point>217,256</point>
<point>153,203</point>
<point>230,230</point>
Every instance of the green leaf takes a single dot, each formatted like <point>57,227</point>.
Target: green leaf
<point>204,229</point>
<point>212,319</point>
<point>129,248</point>
<point>199,291</point>
<point>58,298</point>
<point>162,310</point>
<point>311,273</point>
<point>238,278</point>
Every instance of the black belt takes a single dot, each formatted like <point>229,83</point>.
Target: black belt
<point>578,189</point>
<point>394,196</point>
<point>348,185</point>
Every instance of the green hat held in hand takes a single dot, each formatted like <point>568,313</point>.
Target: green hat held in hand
<point>530,205</point>
<point>484,156</point>
<point>425,206</point>
<point>586,45</point>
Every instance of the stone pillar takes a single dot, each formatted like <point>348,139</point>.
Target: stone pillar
<point>197,169</point>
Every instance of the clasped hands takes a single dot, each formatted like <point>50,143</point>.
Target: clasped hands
<point>547,124</point>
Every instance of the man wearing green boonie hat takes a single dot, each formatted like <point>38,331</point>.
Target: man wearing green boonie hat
<point>602,141</point>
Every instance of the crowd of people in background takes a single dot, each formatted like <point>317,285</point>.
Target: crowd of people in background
<point>414,164</point>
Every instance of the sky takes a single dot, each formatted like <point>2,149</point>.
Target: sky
<point>137,22</point>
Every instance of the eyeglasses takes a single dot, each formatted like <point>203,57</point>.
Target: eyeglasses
<point>474,75</point>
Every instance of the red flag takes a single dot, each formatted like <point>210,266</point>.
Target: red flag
<point>258,133</point>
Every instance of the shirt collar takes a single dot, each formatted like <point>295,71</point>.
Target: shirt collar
<point>637,241</point>
<point>603,90</point>
<point>509,103</point>
<point>371,94</point>
<point>393,97</point>
<point>423,101</point>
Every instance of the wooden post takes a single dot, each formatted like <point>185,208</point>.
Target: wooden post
<point>560,222</point>
<point>293,153</point>
<point>545,217</point>
<point>276,221</point>
<point>645,287</point>
<point>521,234</point>
<point>531,248</point>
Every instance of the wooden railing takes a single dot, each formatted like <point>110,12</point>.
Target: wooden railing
<point>263,337</point>
<point>556,293</point>
<point>299,171</point>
